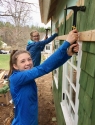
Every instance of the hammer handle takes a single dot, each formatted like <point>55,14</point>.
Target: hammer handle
<point>73,27</point>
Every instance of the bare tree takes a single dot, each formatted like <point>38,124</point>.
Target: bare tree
<point>18,13</point>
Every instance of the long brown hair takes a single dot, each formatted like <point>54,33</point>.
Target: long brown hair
<point>13,59</point>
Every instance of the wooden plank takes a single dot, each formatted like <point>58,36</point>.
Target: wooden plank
<point>2,74</point>
<point>80,3</point>
<point>69,15</point>
<point>85,36</point>
<point>93,35</point>
<point>63,37</point>
<point>88,36</point>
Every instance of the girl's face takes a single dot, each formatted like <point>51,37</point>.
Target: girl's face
<point>24,62</point>
<point>35,36</point>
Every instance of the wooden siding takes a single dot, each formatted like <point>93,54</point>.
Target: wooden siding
<point>86,26</point>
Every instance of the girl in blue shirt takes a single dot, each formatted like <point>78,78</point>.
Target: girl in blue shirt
<point>22,77</point>
<point>35,46</point>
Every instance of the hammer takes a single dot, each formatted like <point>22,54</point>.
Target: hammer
<point>75,10</point>
<point>47,32</point>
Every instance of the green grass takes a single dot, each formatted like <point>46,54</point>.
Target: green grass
<point>4,61</point>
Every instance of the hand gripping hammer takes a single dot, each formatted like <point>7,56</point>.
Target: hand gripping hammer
<point>75,10</point>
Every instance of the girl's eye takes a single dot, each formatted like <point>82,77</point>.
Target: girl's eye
<point>22,61</point>
<point>29,59</point>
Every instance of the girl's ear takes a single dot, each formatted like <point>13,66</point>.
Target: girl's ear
<point>15,66</point>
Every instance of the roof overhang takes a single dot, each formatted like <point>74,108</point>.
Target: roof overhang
<point>47,9</point>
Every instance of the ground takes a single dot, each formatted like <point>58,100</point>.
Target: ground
<point>47,115</point>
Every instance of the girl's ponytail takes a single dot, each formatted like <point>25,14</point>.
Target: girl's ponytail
<point>11,62</point>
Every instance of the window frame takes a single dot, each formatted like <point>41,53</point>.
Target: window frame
<point>47,46</point>
<point>65,108</point>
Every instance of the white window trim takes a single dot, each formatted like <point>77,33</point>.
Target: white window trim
<point>78,85</point>
<point>68,119</point>
<point>56,76</point>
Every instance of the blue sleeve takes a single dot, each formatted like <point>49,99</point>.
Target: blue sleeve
<point>57,59</point>
<point>41,44</point>
<point>44,42</point>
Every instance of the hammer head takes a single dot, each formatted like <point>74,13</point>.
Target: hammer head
<point>76,8</point>
<point>47,31</point>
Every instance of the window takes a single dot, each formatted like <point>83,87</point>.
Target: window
<point>70,88</point>
<point>47,47</point>
<point>56,71</point>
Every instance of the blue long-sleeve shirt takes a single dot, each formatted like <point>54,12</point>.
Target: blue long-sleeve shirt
<point>35,49</point>
<point>24,90</point>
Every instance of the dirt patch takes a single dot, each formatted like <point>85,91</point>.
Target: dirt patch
<point>47,115</point>
<point>5,112</point>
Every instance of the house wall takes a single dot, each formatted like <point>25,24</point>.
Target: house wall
<point>87,77</point>
<point>85,22</point>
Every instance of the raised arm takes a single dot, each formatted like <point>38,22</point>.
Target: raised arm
<point>58,58</point>
<point>48,40</point>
